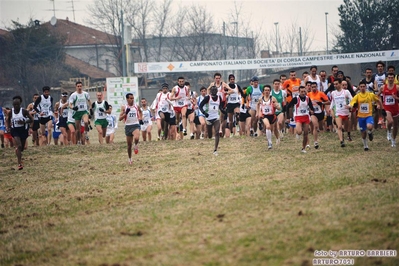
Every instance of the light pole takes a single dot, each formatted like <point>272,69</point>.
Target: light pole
<point>326,32</point>
<point>276,24</point>
<point>236,46</point>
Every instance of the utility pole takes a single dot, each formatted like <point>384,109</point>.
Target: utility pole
<point>326,32</point>
<point>300,42</point>
<point>276,24</point>
<point>224,41</point>
<point>123,47</point>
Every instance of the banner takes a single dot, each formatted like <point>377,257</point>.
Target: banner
<point>263,63</point>
<point>117,88</point>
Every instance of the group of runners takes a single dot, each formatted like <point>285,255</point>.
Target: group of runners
<point>317,102</point>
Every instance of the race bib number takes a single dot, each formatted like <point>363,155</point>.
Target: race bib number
<point>163,109</point>
<point>81,106</point>
<point>317,108</point>
<point>302,111</point>
<point>233,98</point>
<point>132,115</point>
<point>100,114</point>
<point>45,113</point>
<point>364,108</point>
<point>180,102</point>
<point>389,100</point>
<point>266,110</point>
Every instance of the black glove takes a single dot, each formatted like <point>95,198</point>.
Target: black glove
<point>90,117</point>
<point>75,108</point>
<point>127,110</point>
<point>91,112</point>
<point>90,127</point>
<point>141,122</point>
<point>206,115</point>
<point>101,109</point>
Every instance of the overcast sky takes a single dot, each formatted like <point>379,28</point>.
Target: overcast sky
<point>261,13</point>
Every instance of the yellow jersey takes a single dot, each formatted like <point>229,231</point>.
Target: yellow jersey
<point>365,103</point>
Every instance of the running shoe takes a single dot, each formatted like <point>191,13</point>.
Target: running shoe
<point>389,136</point>
<point>256,134</point>
<point>270,146</point>
<point>20,167</point>
<point>371,137</point>
<point>2,144</point>
<point>220,134</point>
<point>303,151</point>
<point>251,132</point>
<point>316,145</point>
<point>342,144</point>
<point>366,148</point>
<point>308,147</point>
<point>136,149</point>
<point>349,138</point>
<point>184,132</point>
<point>215,153</point>
<point>393,143</point>
<point>202,136</point>
<point>260,125</point>
<point>191,136</point>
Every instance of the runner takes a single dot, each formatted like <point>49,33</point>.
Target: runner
<point>147,126</point>
<point>61,108</point>
<point>71,126</point>
<point>254,93</point>
<point>112,126</point>
<point>303,107</point>
<point>319,100</point>
<point>214,106</point>
<point>18,121</point>
<point>244,117</point>
<point>2,125</point>
<point>80,102</point>
<point>180,94</point>
<point>100,108</point>
<point>233,101</point>
<point>340,98</point>
<point>365,100</point>
<point>291,87</point>
<point>44,108</point>
<point>391,109</point>
<point>222,87</point>
<point>131,114</point>
<point>191,104</point>
<point>280,96</point>
<point>266,112</point>
<point>200,117</point>
<point>163,111</point>
<point>313,77</point>
<point>36,125</point>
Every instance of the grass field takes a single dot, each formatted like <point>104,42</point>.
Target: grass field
<point>180,205</point>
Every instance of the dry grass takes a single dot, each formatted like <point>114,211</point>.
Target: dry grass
<point>179,205</point>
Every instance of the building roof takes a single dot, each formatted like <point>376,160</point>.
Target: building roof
<point>3,32</point>
<point>87,69</point>
<point>77,34</point>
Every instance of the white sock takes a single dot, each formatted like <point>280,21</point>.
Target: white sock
<point>364,142</point>
<point>269,135</point>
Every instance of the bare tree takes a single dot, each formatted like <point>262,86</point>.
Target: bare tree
<point>162,14</point>
<point>140,18</point>
<point>106,15</point>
